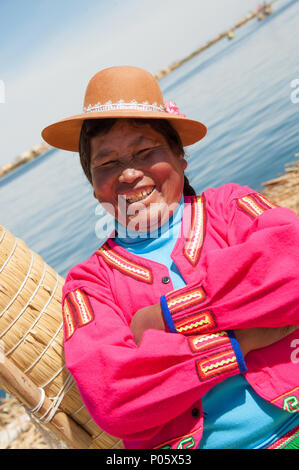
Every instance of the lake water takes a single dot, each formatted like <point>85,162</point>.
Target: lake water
<point>239,88</point>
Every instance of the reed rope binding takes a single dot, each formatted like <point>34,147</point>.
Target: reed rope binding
<point>66,385</point>
<point>26,305</point>
<point>55,402</point>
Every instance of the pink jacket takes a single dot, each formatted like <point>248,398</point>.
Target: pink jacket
<point>238,254</point>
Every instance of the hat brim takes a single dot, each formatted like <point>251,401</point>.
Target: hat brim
<point>65,134</point>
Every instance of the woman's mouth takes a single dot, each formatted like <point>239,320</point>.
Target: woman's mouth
<point>139,195</point>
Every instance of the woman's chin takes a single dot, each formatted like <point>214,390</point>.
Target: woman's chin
<point>149,219</point>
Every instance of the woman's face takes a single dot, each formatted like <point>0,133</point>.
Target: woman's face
<point>135,175</point>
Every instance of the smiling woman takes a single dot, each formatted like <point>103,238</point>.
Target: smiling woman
<point>138,173</point>
<point>160,320</point>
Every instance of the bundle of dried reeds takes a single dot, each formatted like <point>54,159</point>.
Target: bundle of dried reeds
<point>284,190</point>
<point>17,431</point>
<point>32,335</point>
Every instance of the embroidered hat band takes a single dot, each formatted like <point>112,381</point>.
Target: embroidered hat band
<point>122,92</point>
<point>109,106</point>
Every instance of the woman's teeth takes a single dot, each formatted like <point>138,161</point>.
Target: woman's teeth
<point>139,196</point>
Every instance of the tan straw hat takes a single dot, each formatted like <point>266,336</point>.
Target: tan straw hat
<point>122,92</point>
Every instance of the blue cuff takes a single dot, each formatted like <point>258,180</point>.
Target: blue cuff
<point>237,350</point>
<point>167,315</point>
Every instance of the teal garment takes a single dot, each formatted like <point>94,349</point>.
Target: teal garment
<point>158,245</point>
<point>235,416</point>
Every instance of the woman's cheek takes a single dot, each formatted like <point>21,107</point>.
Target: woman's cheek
<point>162,170</point>
<point>102,178</point>
<point>102,188</point>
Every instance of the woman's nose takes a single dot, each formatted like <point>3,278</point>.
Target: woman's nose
<point>129,175</point>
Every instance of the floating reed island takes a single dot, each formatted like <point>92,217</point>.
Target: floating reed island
<point>26,157</point>
<point>32,366</point>
<point>284,190</point>
<point>260,13</point>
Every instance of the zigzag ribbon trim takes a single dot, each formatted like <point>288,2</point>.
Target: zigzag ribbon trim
<point>192,326</point>
<point>138,272</point>
<point>204,342</point>
<point>196,323</point>
<point>193,245</point>
<point>202,338</point>
<point>185,300</point>
<point>216,364</point>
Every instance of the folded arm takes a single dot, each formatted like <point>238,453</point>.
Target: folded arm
<point>132,391</point>
<point>253,282</point>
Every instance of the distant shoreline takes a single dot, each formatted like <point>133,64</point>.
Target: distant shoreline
<point>26,157</point>
<point>260,13</point>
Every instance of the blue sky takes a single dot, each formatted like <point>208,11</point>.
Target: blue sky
<point>49,49</point>
<point>27,26</point>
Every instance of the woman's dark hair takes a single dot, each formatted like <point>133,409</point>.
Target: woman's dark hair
<point>94,127</point>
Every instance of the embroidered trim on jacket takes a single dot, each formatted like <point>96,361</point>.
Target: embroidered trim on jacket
<point>287,395</point>
<point>211,341</point>
<point>193,245</point>
<point>177,441</point>
<point>288,441</point>
<point>137,271</point>
<point>179,302</point>
<point>265,201</point>
<point>76,311</point>
<point>68,320</point>
<point>196,323</point>
<point>216,364</point>
<point>83,308</point>
<point>291,404</point>
<point>255,205</point>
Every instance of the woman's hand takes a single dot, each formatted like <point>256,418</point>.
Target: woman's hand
<point>256,338</point>
<point>147,318</point>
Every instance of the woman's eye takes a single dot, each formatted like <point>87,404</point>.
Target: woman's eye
<point>111,163</point>
<point>148,152</point>
<point>106,166</point>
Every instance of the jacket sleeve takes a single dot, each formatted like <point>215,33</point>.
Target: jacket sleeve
<point>254,280</point>
<point>130,391</point>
